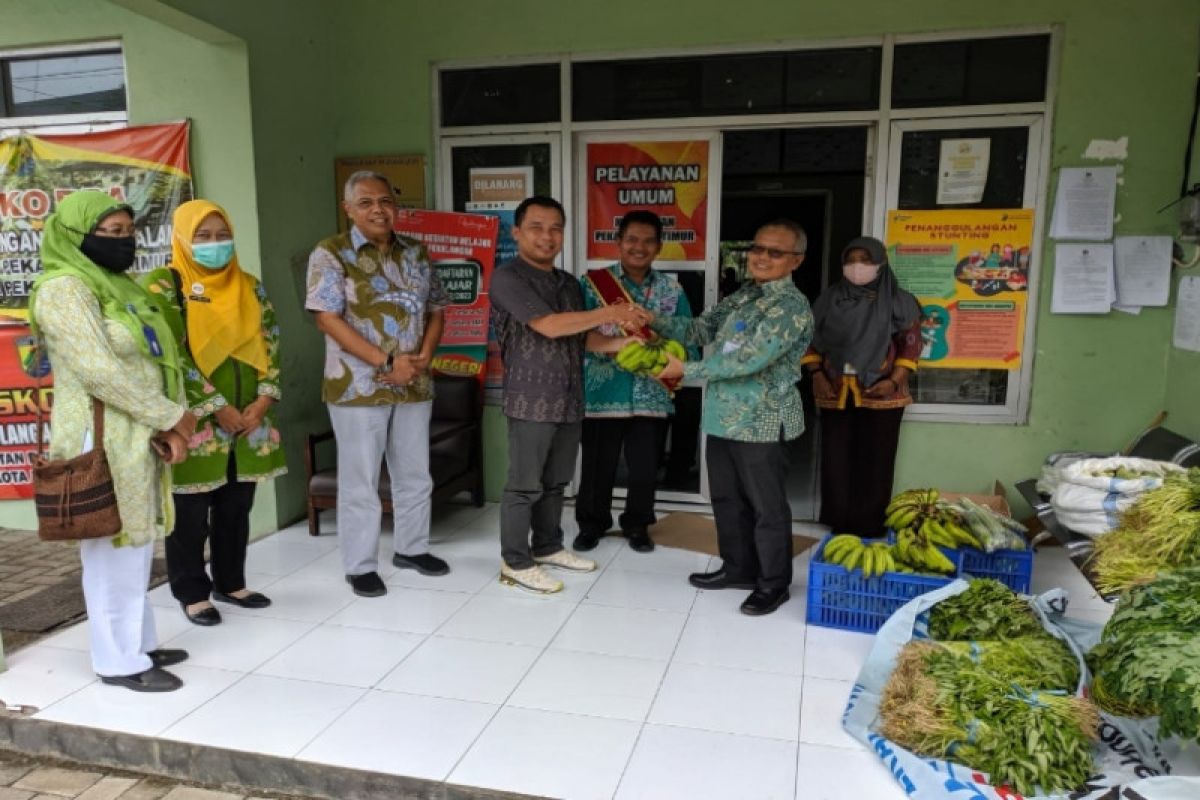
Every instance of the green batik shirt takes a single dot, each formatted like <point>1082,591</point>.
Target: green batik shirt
<point>611,391</point>
<point>259,454</point>
<point>758,334</point>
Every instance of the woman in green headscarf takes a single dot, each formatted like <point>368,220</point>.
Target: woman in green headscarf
<point>107,339</point>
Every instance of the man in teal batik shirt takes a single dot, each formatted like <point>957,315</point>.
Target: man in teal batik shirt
<point>751,410</point>
<point>626,411</point>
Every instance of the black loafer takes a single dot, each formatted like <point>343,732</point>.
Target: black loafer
<point>152,680</point>
<point>206,617</point>
<point>718,580</point>
<point>424,563</point>
<point>586,540</point>
<point>369,584</point>
<point>166,658</point>
<point>764,601</point>
<point>252,600</point>
<point>639,540</point>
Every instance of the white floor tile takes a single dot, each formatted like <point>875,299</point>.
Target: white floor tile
<point>38,676</point>
<point>276,555</point>
<point>118,709</point>
<point>673,561</point>
<point>821,706</point>
<point>550,754</point>
<point>401,609</point>
<point>168,622</point>
<point>642,590</point>
<point>160,596</point>
<point>729,701</point>
<point>240,643</point>
<point>831,653</point>
<point>833,773</point>
<point>727,603</point>
<point>302,599</point>
<point>770,644</point>
<point>590,683</point>
<point>515,620</point>
<point>632,632</point>
<point>467,574</point>
<point>297,711</point>
<point>345,656</point>
<point>401,734</point>
<point>684,764</point>
<point>462,669</point>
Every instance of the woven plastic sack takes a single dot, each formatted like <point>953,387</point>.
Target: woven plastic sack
<point>1088,502</point>
<point>1130,763</point>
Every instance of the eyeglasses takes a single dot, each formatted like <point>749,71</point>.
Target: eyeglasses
<point>771,252</point>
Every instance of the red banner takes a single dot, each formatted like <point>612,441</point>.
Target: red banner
<point>462,248</point>
<point>668,178</point>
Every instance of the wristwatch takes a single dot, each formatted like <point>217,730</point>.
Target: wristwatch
<point>386,366</point>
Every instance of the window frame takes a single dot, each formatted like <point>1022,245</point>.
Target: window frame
<point>41,121</point>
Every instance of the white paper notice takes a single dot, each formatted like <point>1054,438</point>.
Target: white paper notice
<point>1143,266</point>
<point>1187,314</point>
<point>963,171</point>
<point>1083,279</point>
<point>1084,205</point>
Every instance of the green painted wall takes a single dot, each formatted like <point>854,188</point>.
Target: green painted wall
<point>1183,367</point>
<point>1098,380</point>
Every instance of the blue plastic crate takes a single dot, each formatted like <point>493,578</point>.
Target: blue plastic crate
<point>839,598</point>
<point>1013,568</point>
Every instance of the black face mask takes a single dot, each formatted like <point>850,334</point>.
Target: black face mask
<point>114,254</point>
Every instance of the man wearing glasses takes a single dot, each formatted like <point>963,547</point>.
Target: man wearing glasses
<point>751,410</point>
<point>379,303</point>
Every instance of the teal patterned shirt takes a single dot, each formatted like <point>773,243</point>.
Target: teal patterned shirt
<point>611,391</point>
<point>759,334</point>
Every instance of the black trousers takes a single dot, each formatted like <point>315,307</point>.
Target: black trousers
<point>222,518</point>
<point>603,440</point>
<point>747,486</point>
<point>858,463</point>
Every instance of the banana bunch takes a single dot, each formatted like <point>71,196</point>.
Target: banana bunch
<point>850,552</point>
<point>924,522</point>
<point>649,358</point>
<point>920,555</point>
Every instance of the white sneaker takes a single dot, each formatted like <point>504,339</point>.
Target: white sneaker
<point>565,559</point>
<point>531,579</point>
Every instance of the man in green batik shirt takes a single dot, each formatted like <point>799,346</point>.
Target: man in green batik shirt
<point>751,410</point>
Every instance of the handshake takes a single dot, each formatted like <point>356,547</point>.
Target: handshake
<point>631,317</point>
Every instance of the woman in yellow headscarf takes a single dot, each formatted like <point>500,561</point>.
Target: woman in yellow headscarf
<point>230,351</point>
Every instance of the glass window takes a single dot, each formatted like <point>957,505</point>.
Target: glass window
<point>920,155</point>
<point>501,95</point>
<point>1009,69</point>
<point>79,83</point>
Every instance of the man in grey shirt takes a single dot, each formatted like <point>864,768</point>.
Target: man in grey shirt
<point>537,312</point>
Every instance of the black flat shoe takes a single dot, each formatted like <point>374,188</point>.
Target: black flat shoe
<point>206,616</point>
<point>252,600</point>
<point>586,540</point>
<point>639,540</point>
<point>424,563</point>
<point>166,658</point>
<point>764,601</point>
<point>369,584</point>
<point>152,680</point>
<point>718,580</point>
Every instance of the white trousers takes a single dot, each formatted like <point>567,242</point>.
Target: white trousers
<point>120,619</point>
<point>365,435</point>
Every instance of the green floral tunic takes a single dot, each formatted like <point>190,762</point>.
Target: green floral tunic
<point>259,454</point>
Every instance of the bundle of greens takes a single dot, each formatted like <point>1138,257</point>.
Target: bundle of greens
<point>1161,531</point>
<point>1042,661</point>
<point>986,610</point>
<point>944,703</point>
<point>1148,659</point>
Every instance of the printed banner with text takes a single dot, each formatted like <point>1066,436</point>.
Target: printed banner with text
<point>462,248</point>
<point>144,166</point>
<point>668,178</point>
<point>970,271</point>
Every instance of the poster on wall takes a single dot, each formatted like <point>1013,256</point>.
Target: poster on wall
<point>969,269</point>
<point>668,178</point>
<point>406,174</point>
<point>144,166</point>
<point>462,248</point>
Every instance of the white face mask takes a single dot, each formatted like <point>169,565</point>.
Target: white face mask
<point>860,274</point>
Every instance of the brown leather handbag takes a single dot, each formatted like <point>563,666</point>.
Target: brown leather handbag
<point>74,496</point>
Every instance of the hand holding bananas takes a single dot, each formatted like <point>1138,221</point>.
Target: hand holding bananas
<point>653,358</point>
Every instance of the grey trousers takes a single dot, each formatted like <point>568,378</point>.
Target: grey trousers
<point>541,462</point>
<point>365,435</point>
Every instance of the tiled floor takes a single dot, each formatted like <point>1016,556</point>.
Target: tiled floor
<point>630,684</point>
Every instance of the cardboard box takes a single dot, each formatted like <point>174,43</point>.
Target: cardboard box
<point>997,501</point>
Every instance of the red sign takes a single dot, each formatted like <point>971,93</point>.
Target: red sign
<point>668,178</point>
